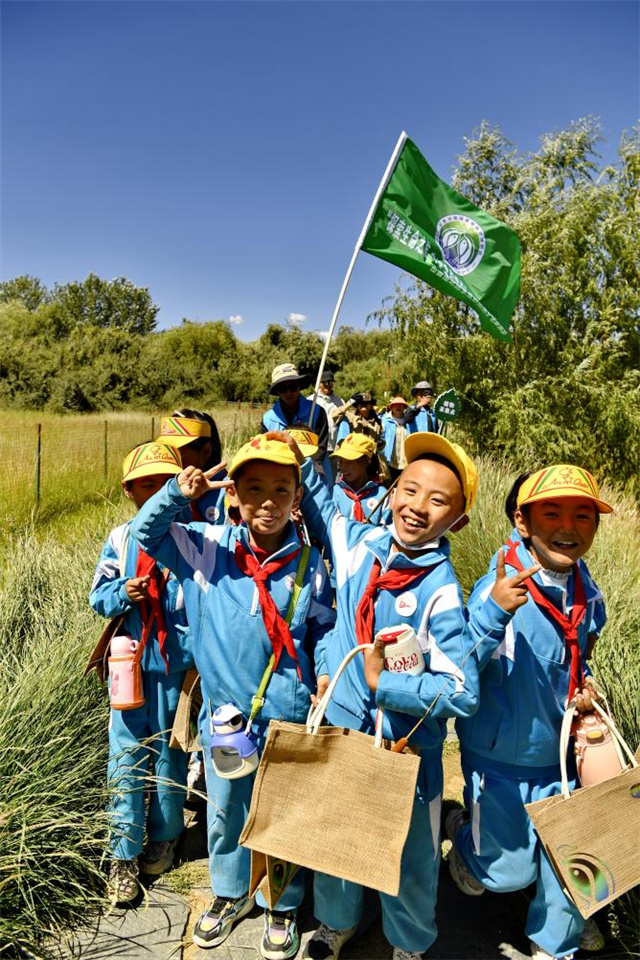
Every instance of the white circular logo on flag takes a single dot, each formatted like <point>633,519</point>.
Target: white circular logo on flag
<point>462,242</point>
<point>406,604</point>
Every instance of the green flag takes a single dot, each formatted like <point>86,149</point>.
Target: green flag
<point>423,226</point>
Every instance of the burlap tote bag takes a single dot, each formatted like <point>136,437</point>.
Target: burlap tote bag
<point>333,799</point>
<point>592,836</point>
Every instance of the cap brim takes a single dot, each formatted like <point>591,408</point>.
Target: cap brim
<point>301,381</point>
<point>263,455</point>
<point>144,471</point>
<point>306,449</point>
<point>178,441</point>
<point>601,505</point>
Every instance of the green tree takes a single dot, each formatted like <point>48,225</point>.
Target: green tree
<point>27,290</point>
<point>108,303</point>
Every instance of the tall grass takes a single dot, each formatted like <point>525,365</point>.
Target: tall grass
<point>53,723</point>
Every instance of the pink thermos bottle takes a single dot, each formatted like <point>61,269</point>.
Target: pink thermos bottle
<point>125,674</point>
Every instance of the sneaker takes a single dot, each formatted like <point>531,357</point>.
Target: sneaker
<point>326,943</point>
<point>399,954</point>
<point>216,923</point>
<point>281,938</point>
<point>591,938</point>
<point>122,886</point>
<point>158,856</point>
<point>460,873</point>
<point>538,953</point>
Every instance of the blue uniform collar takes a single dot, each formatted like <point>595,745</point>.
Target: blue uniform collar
<point>291,541</point>
<point>300,417</point>
<point>369,485</point>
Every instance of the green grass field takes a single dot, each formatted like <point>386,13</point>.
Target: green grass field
<point>53,723</point>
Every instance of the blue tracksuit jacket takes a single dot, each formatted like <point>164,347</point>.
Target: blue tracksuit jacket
<point>108,598</point>
<point>525,668</point>
<point>230,643</point>
<point>433,607</point>
<point>275,419</point>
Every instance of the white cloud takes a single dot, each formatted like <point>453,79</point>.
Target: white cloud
<point>236,318</point>
<point>323,334</point>
<point>297,318</point>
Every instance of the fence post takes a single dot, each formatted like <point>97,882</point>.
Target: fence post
<point>106,452</point>
<point>38,459</point>
<point>153,428</point>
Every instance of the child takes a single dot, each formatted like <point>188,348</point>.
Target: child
<point>128,582</point>
<point>357,492</point>
<point>531,665</point>
<point>196,436</point>
<point>387,576</point>
<point>238,584</point>
<point>394,432</point>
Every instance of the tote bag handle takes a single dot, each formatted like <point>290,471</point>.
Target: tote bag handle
<point>565,733</point>
<point>316,714</point>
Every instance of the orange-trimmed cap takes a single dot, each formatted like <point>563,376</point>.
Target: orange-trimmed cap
<point>418,443</point>
<point>559,481</point>
<point>259,448</point>
<point>354,446</point>
<point>179,431</point>
<point>148,459</point>
<point>307,441</point>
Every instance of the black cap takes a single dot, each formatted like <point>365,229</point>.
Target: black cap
<point>327,376</point>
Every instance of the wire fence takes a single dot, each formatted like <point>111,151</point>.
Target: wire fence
<point>52,463</point>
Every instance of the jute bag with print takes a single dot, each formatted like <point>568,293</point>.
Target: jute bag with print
<point>331,799</point>
<point>592,836</point>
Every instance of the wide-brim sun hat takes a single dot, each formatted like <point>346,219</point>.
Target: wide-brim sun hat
<point>398,401</point>
<point>422,385</point>
<point>559,481</point>
<point>307,441</point>
<point>179,431</point>
<point>287,373</point>
<point>418,443</point>
<point>354,446</point>
<point>259,448</point>
<point>150,459</point>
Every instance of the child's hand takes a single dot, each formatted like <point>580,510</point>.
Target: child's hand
<point>374,665</point>
<point>586,696</point>
<point>193,482</point>
<point>137,589</point>
<point>510,592</point>
<point>323,683</point>
<point>284,437</point>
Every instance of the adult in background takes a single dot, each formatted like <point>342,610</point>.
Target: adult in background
<point>329,401</point>
<point>420,418</point>
<point>292,410</point>
<point>358,415</point>
<point>394,433</point>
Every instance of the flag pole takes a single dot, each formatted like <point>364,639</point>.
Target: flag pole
<point>383,183</point>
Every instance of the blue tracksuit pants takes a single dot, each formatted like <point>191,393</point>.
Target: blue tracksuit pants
<point>408,920</point>
<point>502,850</point>
<point>128,769</point>
<point>228,803</point>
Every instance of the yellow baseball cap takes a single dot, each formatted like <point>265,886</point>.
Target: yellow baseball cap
<point>558,481</point>
<point>418,443</point>
<point>354,446</point>
<point>259,448</point>
<point>178,431</point>
<point>148,459</point>
<point>307,441</point>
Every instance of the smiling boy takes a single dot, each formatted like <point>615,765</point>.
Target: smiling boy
<point>238,587</point>
<point>536,634</point>
<point>385,577</point>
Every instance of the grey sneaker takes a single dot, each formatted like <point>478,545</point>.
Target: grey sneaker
<point>591,938</point>
<point>327,943</point>
<point>460,873</point>
<point>281,938</point>
<point>399,954</point>
<point>216,923</point>
<point>123,886</point>
<point>158,856</point>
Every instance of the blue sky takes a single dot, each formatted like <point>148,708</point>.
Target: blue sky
<point>225,154</point>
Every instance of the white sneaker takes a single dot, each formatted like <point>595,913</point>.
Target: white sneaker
<point>591,938</point>
<point>399,954</point>
<point>460,873</point>
<point>537,953</point>
<point>326,943</point>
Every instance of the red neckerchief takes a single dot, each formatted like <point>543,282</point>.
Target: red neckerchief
<point>568,625</point>
<point>357,497</point>
<point>276,627</point>
<point>391,580</point>
<point>151,609</point>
